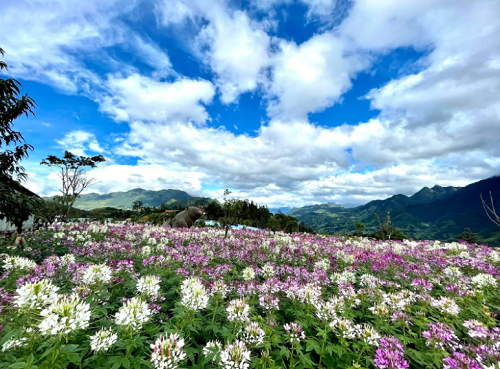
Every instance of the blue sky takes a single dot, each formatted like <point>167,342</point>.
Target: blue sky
<point>287,102</point>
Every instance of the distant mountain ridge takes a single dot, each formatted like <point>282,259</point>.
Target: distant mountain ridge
<point>431,213</point>
<point>124,199</point>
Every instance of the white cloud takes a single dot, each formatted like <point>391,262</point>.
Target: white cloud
<point>436,126</point>
<point>79,142</point>
<point>237,52</point>
<point>143,98</point>
<point>310,77</point>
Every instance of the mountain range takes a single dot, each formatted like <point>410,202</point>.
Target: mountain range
<point>432,213</point>
<point>124,200</point>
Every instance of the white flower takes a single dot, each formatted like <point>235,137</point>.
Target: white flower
<point>295,331</point>
<point>322,264</point>
<point>482,280</point>
<point>194,295</point>
<point>253,334</point>
<point>134,313</point>
<point>149,285</point>
<point>97,275</point>
<point>269,302</point>
<point>453,272</point>
<point>213,347</point>
<point>65,316</point>
<point>268,271</point>
<point>68,259</point>
<point>146,251</point>
<point>235,356</point>
<point>445,305</point>
<point>344,327</point>
<point>366,333</point>
<point>345,277</point>
<point>248,274</point>
<point>238,310</point>
<point>14,344</point>
<point>309,294</point>
<point>36,295</point>
<point>18,264</point>
<point>103,340</point>
<point>219,287</point>
<point>168,352</point>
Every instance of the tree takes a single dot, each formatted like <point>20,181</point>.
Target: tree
<point>469,236</point>
<point>12,106</point>
<point>137,205</point>
<point>490,210</point>
<point>74,180</point>
<point>360,228</point>
<point>16,203</point>
<point>387,231</point>
<point>231,208</point>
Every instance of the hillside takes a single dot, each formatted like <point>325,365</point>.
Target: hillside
<point>124,200</point>
<point>431,213</point>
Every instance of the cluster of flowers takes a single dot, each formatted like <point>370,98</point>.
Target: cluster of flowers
<point>275,275</point>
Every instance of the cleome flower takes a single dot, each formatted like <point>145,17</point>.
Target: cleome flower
<point>149,285</point>
<point>253,334</point>
<point>445,305</point>
<point>103,340</point>
<point>238,310</point>
<point>440,335</point>
<point>18,264</point>
<point>36,295</point>
<point>390,354</point>
<point>168,352</point>
<point>14,344</point>
<point>213,348</point>
<point>295,331</point>
<point>268,271</point>
<point>133,314</point>
<point>248,274</point>
<point>269,302</point>
<point>482,280</point>
<point>97,275</point>
<point>194,296</point>
<point>235,356</point>
<point>219,288</point>
<point>64,316</point>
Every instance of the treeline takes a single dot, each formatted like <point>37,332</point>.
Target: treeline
<point>247,213</point>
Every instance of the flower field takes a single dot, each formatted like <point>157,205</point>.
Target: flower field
<point>136,296</point>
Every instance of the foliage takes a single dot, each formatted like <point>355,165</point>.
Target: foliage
<point>469,236</point>
<point>17,206</point>
<point>360,228</point>
<point>74,181</point>
<point>12,106</point>
<point>16,203</point>
<point>150,294</point>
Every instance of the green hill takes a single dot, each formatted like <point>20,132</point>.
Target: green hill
<point>432,213</point>
<point>124,200</point>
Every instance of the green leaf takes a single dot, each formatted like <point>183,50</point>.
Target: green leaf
<point>19,365</point>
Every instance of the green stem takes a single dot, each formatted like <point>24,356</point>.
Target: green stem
<point>361,353</point>
<point>323,347</point>
<point>291,357</point>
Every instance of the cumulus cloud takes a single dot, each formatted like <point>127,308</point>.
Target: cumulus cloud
<point>53,41</point>
<point>80,142</point>
<point>138,97</point>
<point>438,122</point>
<point>310,77</point>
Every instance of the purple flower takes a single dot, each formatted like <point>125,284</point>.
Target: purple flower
<point>440,335</point>
<point>390,355</point>
<point>457,360</point>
